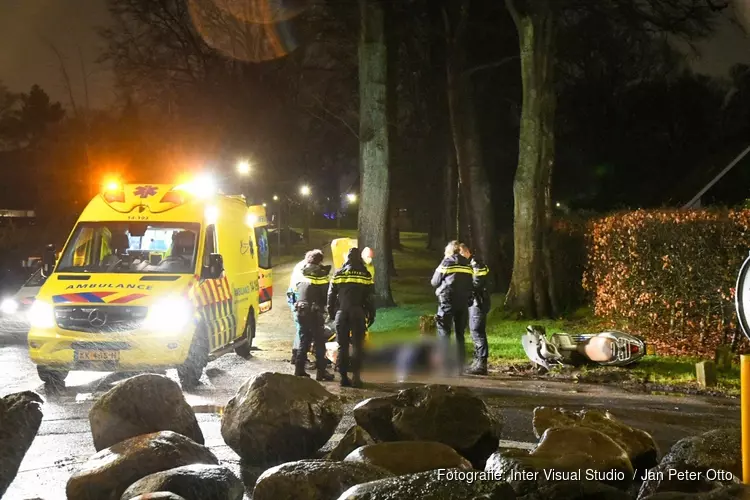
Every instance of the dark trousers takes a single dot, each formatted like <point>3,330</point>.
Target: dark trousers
<point>352,321</point>
<point>311,332</point>
<point>478,328</point>
<point>448,318</point>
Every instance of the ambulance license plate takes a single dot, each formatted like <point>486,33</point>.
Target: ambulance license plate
<point>97,355</point>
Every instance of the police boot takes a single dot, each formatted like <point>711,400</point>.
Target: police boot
<point>356,381</point>
<point>323,375</point>
<point>478,368</point>
<point>299,368</point>
<point>345,382</point>
<point>294,357</point>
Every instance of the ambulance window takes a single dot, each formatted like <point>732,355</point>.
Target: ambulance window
<point>264,252</point>
<point>210,246</point>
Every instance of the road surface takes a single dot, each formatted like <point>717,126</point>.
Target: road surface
<point>64,440</point>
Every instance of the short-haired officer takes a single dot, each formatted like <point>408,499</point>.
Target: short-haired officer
<point>452,281</point>
<point>478,310</point>
<point>350,302</point>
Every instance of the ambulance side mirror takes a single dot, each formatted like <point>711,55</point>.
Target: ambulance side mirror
<point>48,261</point>
<point>215,266</point>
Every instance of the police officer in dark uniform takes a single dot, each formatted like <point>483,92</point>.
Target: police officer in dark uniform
<point>350,301</point>
<point>478,310</point>
<point>452,281</point>
<point>310,310</point>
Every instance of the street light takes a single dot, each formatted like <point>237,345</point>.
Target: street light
<point>351,197</point>
<point>243,167</point>
<point>264,205</point>
<point>275,198</point>
<point>305,190</point>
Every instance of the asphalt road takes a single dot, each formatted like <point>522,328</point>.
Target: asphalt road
<point>64,440</point>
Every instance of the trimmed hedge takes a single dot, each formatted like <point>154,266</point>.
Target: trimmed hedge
<point>670,274</point>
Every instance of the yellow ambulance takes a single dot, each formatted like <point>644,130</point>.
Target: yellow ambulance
<point>152,277</point>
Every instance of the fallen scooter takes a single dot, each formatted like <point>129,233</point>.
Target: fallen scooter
<point>608,348</point>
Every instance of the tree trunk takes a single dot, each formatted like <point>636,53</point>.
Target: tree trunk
<point>374,150</point>
<point>475,188</point>
<point>451,222</point>
<point>394,229</point>
<point>531,289</point>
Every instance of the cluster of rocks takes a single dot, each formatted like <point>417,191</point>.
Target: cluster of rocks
<point>431,442</point>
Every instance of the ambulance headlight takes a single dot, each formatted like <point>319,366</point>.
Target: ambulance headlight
<point>9,306</point>
<point>169,315</point>
<point>41,315</point>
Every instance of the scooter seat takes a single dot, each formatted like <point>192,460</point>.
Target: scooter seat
<point>600,349</point>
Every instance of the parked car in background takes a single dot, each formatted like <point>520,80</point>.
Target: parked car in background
<point>287,234</point>
<point>13,308</point>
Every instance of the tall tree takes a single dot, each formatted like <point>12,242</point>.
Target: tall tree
<point>472,176</point>
<point>532,290</point>
<point>374,150</point>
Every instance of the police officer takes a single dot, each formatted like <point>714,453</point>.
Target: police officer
<point>350,301</point>
<point>480,306</point>
<point>452,281</point>
<point>310,309</point>
<point>291,296</point>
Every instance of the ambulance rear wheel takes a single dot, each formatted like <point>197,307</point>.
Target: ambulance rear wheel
<point>191,370</point>
<point>52,378</point>
<point>243,350</point>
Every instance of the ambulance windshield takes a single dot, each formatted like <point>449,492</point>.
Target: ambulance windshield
<point>140,247</point>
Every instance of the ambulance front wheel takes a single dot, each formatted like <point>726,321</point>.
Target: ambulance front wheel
<point>191,370</point>
<point>243,350</point>
<point>52,378</point>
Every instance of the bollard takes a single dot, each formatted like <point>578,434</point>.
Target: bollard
<point>745,415</point>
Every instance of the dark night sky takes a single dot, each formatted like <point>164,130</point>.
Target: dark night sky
<point>25,57</point>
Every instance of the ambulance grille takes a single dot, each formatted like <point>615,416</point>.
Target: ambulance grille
<point>100,319</point>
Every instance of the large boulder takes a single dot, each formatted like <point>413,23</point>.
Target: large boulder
<point>731,492</point>
<point>562,455</point>
<point>314,479</point>
<point>141,405</point>
<point>448,484</point>
<point>159,495</point>
<point>354,437</point>
<point>108,473</point>
<point>20,418</point>
<point>410,457</point>
<point>276,418</point>
<point>640,445</point>
<point>578,490</point>
<point>450,415</point>
<point>192,482</point>
<point>697,464</point>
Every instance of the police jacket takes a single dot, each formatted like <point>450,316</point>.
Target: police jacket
<point>351,287</point>
<point>453,281</point>
<point>312,285</point>
<point>480,273</point>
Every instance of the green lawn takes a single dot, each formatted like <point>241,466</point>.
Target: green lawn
<point>414,298</point>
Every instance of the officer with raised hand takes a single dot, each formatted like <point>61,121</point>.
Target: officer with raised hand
<point>480,306</point>
<point>453,285</point>
<point>310,310</point>
<point>350,302</point>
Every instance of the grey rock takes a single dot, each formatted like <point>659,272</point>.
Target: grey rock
<point>20,418</point>
<point>450,415</point>
<point>732,492</point>
<point>276,418</point>
<point>574,452</point>
<point>108,473</point>
<point>314,479</point>
<point>410,457</point>
<point>354,437</point>
<point>578,490</point>
<point>141,405</point>
<point>717,450</point>
<point>159,495</point>
<point>432,485</point>
<point>640,445</point>
<point>192,482</point>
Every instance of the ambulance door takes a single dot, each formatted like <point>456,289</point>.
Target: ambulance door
<point>215,296</point>
<point>265,282</point>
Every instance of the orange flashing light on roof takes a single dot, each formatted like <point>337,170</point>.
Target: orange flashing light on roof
<point>114,192</point>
